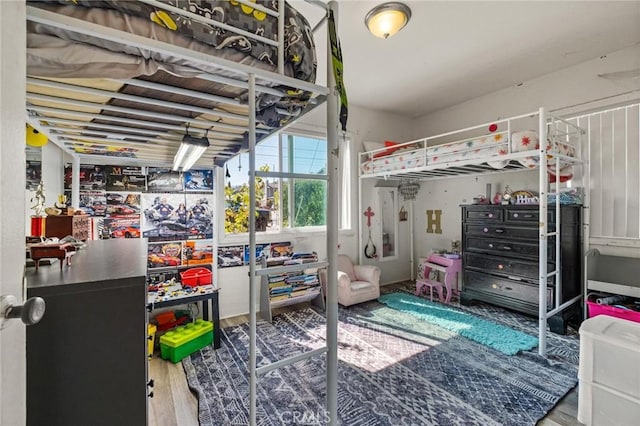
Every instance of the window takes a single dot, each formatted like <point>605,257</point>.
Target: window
<point>304,201</point>
<point>294,202</point>
<point>236,191</point>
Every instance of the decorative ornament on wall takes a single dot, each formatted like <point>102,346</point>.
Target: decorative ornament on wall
<point>370,250</point>
<point>35,137</point>
<point>433,221</point>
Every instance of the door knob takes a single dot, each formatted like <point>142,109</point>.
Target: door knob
<point>30,313</point>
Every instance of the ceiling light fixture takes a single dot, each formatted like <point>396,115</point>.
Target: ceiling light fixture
<point>387,19</point>
<point>191,148</point>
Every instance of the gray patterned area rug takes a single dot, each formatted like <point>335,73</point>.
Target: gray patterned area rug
<point>393,370</point>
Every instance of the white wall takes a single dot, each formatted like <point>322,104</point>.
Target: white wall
<point>567,92</point>
<point>576,86</point>
<point>447,195</point>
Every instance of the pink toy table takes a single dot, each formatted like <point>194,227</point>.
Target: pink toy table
<point>450,268</point>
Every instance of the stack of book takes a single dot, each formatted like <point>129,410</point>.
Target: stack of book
<point>284,286</point>
<point>278,287</point>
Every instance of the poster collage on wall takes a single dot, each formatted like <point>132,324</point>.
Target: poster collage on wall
<point>174,211</point>
<point>273,254</point>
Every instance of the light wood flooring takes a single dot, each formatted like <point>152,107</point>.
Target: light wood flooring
<point>174,404</point>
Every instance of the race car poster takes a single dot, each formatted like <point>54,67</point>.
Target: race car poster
<point>92,178</point>
<point>199,252</point>
<point>230,256</point>
<point>93,203</point>
<point>164,255</point>
<point>34,174</point>
<point>164,217</point>
<point>121,227</point>
<point>198,181</point>
<point>279,253</point>
<point>122,204</point>
<point>125,179</point>
<point>262,252</point>
<point>199,215</point>
<point>163,180</point>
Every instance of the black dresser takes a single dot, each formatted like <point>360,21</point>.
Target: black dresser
<point>87,358</point>
<point>501,255</point>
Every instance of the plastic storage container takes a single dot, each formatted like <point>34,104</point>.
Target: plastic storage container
<point>196,276</point>
<point>595,309</point>
<point>609,371</point>
<point>151,337</point>
<point>185,340</point>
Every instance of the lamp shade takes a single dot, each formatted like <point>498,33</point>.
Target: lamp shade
<point>36,138</point>
<point>387,19</point>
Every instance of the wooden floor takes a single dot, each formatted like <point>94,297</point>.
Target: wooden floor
<point>174,404</point>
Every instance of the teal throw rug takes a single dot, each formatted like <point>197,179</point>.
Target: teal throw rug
<point>488,333</point>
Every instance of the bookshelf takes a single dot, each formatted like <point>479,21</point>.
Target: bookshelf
<point>295,282</point>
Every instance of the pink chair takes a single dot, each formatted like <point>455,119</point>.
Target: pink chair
<point>450,268</point>
<point>356,283</point>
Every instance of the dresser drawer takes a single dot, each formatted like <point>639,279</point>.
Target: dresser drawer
<point>495,230</point>
<point>528,216</point>
<point>488,213</point>
<point>504,287</point>
<point>514,248</point>
<point>505,266</point>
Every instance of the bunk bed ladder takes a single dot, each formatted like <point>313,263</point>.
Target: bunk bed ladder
<point>331,347</point>
<point>549,128</point>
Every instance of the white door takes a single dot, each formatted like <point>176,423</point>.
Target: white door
<point>12,206</point>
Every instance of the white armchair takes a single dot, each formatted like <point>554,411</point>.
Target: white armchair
<point>356,283</point>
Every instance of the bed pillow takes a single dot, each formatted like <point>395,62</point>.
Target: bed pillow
<point>392,147</point>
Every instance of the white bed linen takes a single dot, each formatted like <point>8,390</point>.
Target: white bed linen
<point>489,148</point>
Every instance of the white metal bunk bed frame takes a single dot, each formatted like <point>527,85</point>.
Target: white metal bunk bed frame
<point>246,79</point>
<point>548,127</point>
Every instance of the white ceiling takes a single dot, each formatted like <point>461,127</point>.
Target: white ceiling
<point>453,51</point>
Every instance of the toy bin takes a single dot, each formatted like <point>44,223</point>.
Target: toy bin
<point>595,309</point>
<point>185,340</point>
<point>151,338</point>
<point>609,371</point>
<point>196,276</point>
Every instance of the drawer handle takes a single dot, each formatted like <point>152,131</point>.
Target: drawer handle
<point>500,287</point>
<point>490,215</point>
<point>528,216</point>
<point>490,245</point>
<point>485,230</point>
<point>515,215</point>
<point>506,248</point>
<point>500,266</point>
<point>499,231</point>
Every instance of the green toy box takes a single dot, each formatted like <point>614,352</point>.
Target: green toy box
<point>185,340</point>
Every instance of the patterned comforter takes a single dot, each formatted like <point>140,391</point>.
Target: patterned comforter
<point>487,149</point>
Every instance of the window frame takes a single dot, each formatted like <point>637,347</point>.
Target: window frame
<point>289,231</point>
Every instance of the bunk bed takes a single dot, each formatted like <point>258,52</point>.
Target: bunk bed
<point>96,57</point>
<point>125,82</point>
<point>506,145</point>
